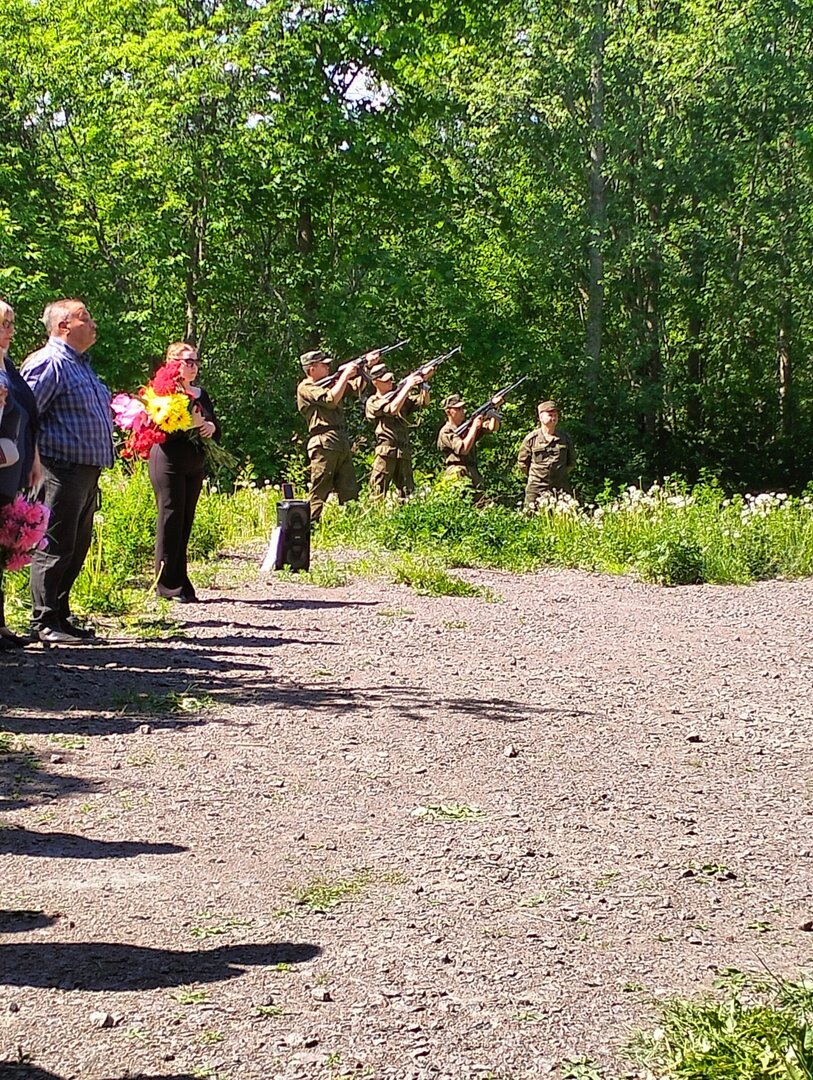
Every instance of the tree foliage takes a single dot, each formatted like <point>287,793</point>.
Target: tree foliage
<point>613,196</point>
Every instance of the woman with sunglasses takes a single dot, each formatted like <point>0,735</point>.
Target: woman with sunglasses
<point>177,468</point>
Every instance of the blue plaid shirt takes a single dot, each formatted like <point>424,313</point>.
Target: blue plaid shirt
<point>76,423</point>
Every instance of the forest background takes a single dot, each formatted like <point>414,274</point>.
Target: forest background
<point>613,197</point>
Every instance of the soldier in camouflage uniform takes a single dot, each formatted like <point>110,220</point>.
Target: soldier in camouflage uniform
<point>393,456</point>
<point>546,456</point>
<point>328,444</point>
<point>460,451</point>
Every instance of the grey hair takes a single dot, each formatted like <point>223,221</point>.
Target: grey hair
<point>58,310</point>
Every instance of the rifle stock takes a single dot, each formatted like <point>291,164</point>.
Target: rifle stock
<point>488,407</point>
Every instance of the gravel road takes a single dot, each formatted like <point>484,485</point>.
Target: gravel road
<point>356,832</point>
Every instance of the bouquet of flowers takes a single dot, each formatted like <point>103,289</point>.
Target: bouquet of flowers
<point>23,525</point>
<point>161,408</point>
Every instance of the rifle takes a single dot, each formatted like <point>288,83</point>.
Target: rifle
<point>424,370</point>
<point>488,409</point>
<point>329,380</point>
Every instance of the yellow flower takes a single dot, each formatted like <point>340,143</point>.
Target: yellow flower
<point>169,412</point>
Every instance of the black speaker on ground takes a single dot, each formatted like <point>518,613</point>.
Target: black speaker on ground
<point>294,524</point>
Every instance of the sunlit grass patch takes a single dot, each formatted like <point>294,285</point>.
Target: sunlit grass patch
<point>448,812</point>
<point>751,1029</point>
<point>325,893</point>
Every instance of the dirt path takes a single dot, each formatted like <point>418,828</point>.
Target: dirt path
<point>245,891</point>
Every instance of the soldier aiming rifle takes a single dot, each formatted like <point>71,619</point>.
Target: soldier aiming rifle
<point>320,399</point>
<point>458,438</point>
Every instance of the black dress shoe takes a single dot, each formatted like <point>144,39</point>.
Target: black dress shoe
<point>52,635</point>
<point>186,598</point>
<point>10,640</point>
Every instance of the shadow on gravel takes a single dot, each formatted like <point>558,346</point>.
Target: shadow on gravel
<point>57,845</point>
<point>23,783</point>
<point>294,604</point>
<point>20,922</point>
<point>130,685</point>
<point>60,723</point>
<point>24,1071</point>
<point>409,701</point>
<point>100,965</point>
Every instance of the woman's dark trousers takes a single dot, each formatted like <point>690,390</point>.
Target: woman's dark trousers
<point>177,479</point>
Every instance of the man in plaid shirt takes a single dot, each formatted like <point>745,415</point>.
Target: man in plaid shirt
<point>75,444</point>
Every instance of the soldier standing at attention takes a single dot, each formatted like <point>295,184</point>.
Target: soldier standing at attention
<point>393,456</point>
<point>546,456</point>
<point>328,443</point>
<point>460,451</point>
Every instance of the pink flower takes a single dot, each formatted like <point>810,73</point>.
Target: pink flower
<point>128,411</point>
<point>22,530</point>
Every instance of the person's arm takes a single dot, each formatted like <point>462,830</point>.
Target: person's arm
<point>43,378</point>
<point>571,454</point>
<point>209,426</point>
<point>471,436</point>
<point>342,384</point>
<point>524,456</point>
<point>35,475</point>
<point>398,402</point>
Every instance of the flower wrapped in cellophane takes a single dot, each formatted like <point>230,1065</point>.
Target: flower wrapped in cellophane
<point>23,528</point>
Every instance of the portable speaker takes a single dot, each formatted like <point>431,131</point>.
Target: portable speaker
<point>294,524</point>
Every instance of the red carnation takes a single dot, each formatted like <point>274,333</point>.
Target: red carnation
<point>167,379</point>
<point>139,443</point>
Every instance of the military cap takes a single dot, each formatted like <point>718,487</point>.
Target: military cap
<point>381,373</point>
<point>453,401</point>
<point>315,356</point>
<point>547,406</point>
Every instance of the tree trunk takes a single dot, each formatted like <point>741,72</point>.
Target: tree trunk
<point>304,245</point>
<point>694,359</point>
<point>784,366</point>
<point>194,267</point>
<point>597,224</point>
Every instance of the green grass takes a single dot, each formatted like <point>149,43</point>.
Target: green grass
<point>668,535</point>
<point>751,1029</point>
<point>188,702</point>
<point>118,572</point>
<point>322,894</point>
<point>448,812</point>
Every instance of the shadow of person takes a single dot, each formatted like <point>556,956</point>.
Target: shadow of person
<point>102,965</point>
<point>57,845</point>
<point>24,1070</point>
<point>20,922</point>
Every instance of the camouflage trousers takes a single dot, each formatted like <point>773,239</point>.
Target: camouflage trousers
<point>331,470</point>
<point>392,470</point>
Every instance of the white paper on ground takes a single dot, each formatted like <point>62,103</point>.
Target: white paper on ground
<point>270,561</point>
